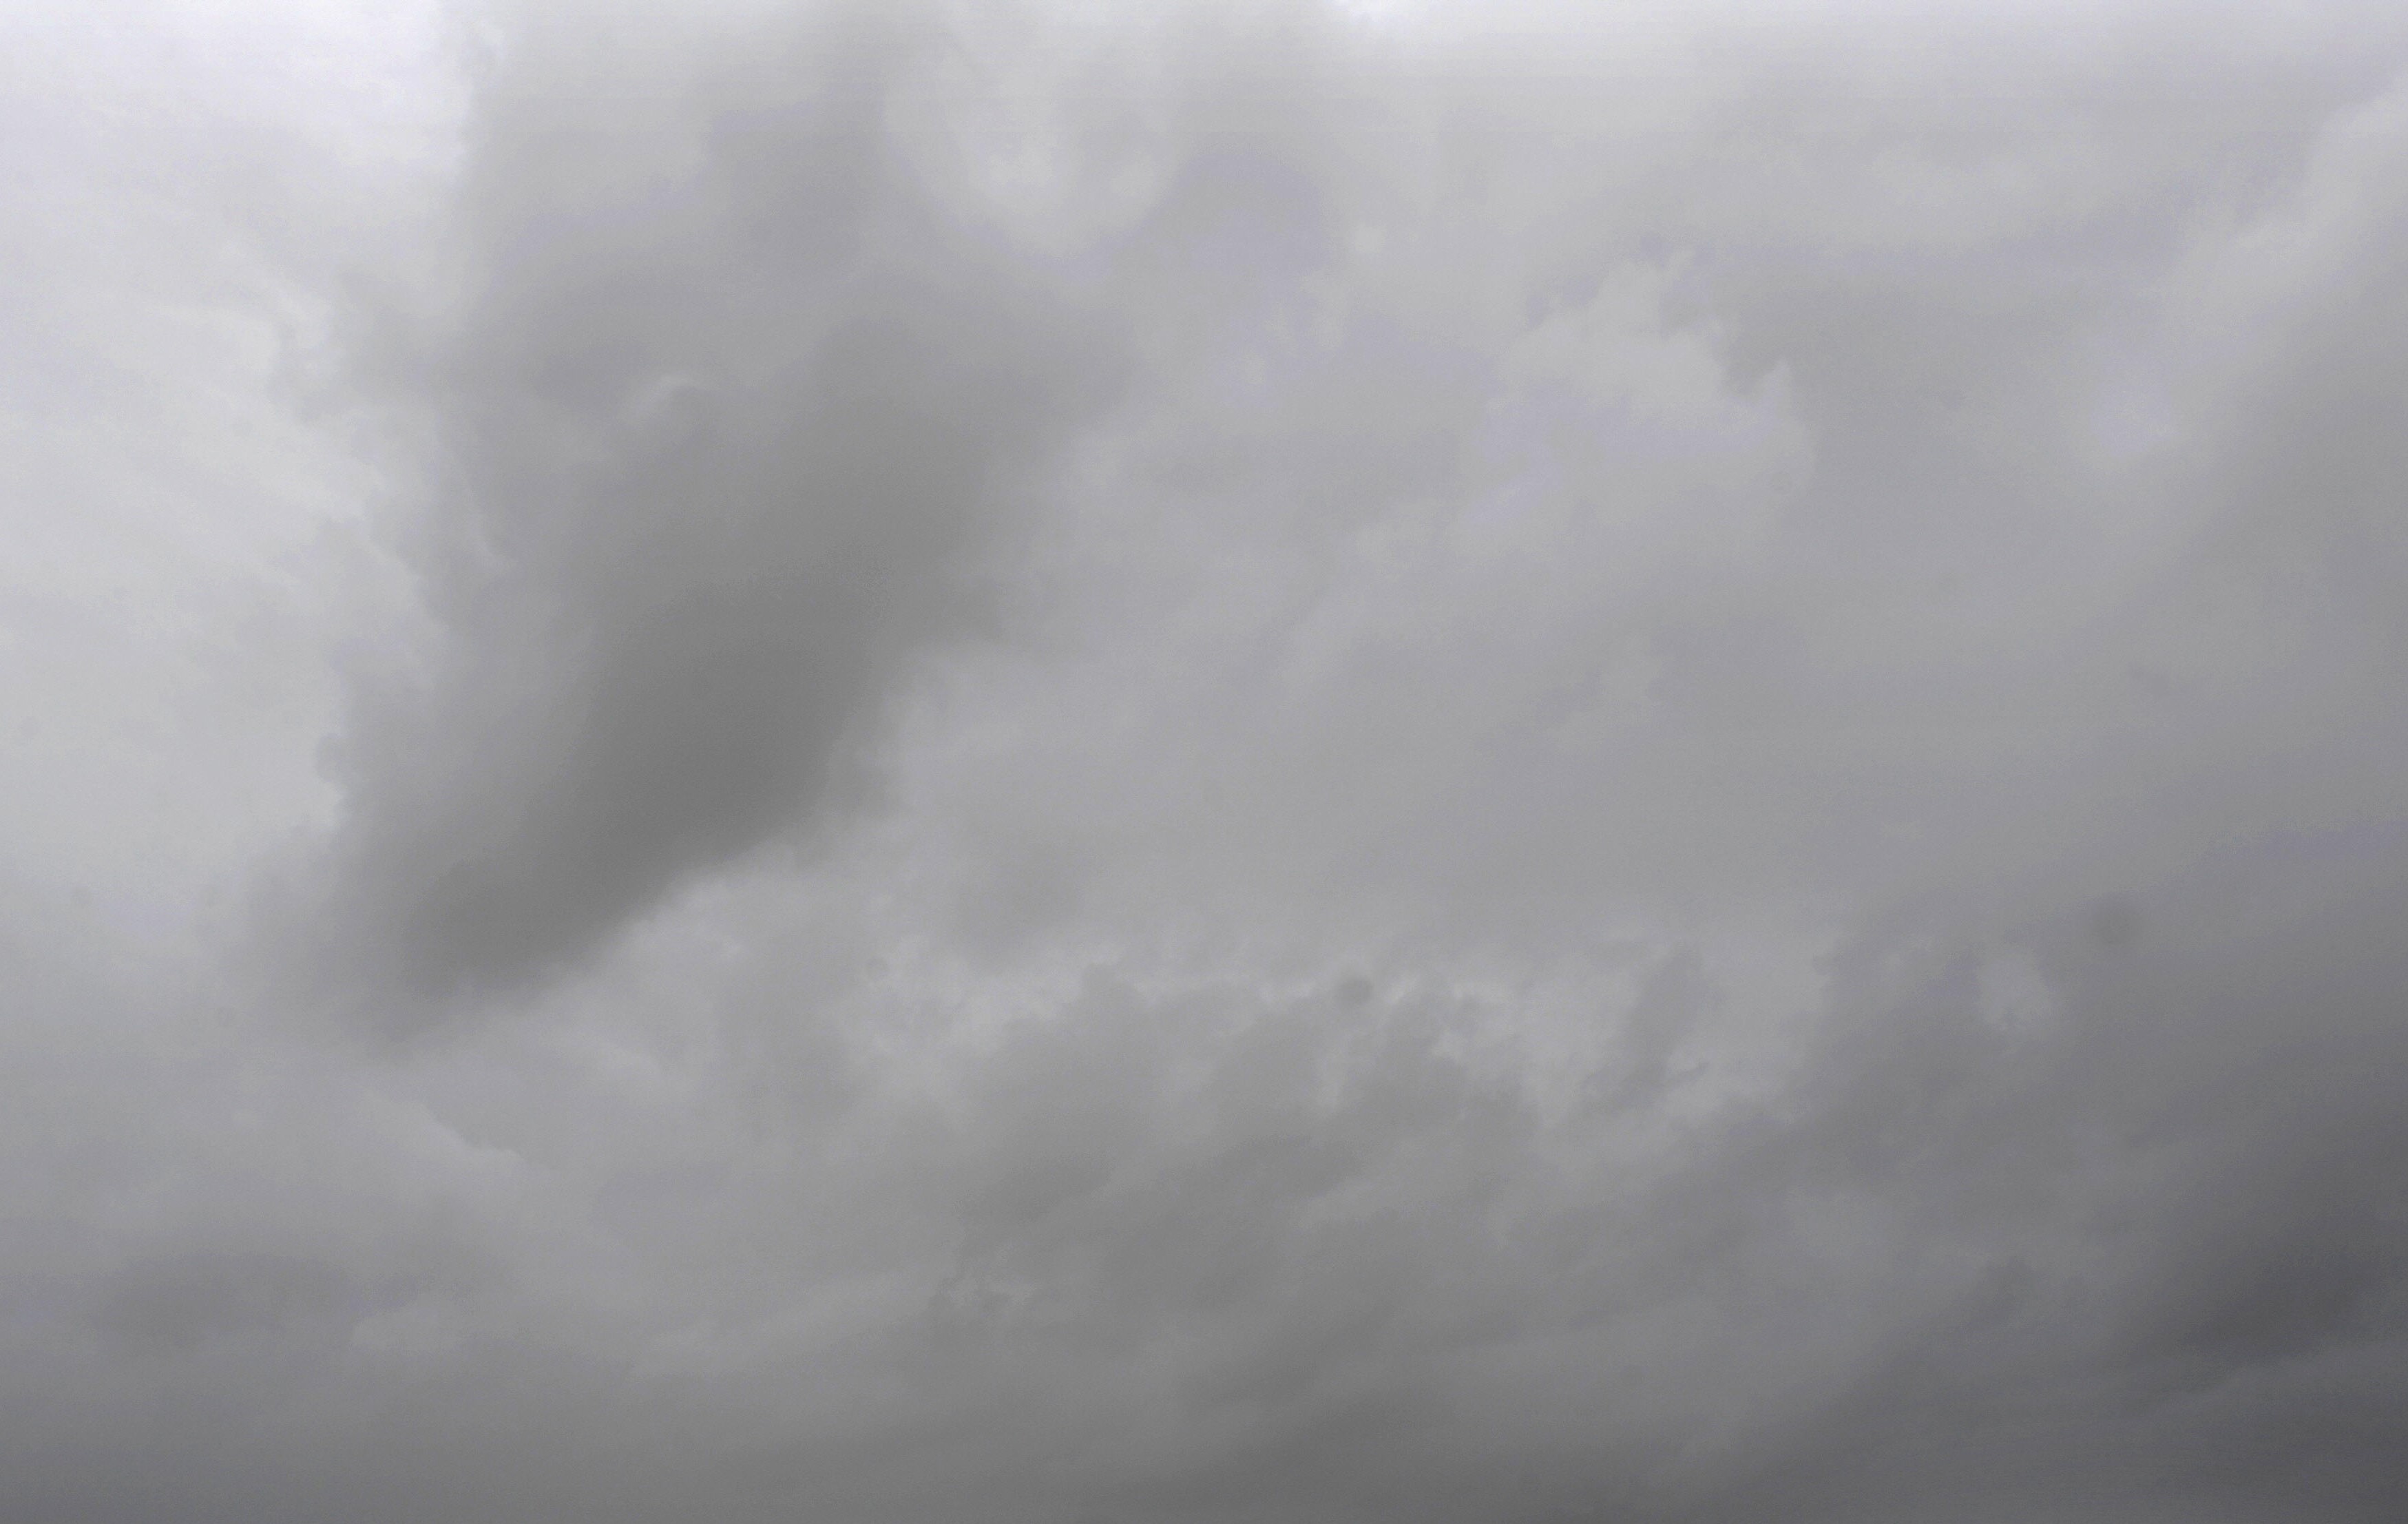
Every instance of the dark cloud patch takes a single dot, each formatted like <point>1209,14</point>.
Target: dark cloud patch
<point>176,1303</point>
<point>2187,1186</point>
<point>725,408</point>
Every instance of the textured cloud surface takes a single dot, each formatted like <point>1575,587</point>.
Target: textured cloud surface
<point>1272,762</point>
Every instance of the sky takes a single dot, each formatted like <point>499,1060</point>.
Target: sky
<point>1277,762</point>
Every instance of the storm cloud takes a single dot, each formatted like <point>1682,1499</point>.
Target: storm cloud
<point>1209,763</point>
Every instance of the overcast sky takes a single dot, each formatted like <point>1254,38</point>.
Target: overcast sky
<point>1245,763</point>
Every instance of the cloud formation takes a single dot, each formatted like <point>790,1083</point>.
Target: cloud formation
<point>722,400</point>
<point>1220,763</point>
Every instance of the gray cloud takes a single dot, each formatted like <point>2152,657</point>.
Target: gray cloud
<point>723,405</point>
<point>1212,763</point>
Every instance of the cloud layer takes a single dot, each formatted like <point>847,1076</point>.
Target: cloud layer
<point>1269,762</point>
